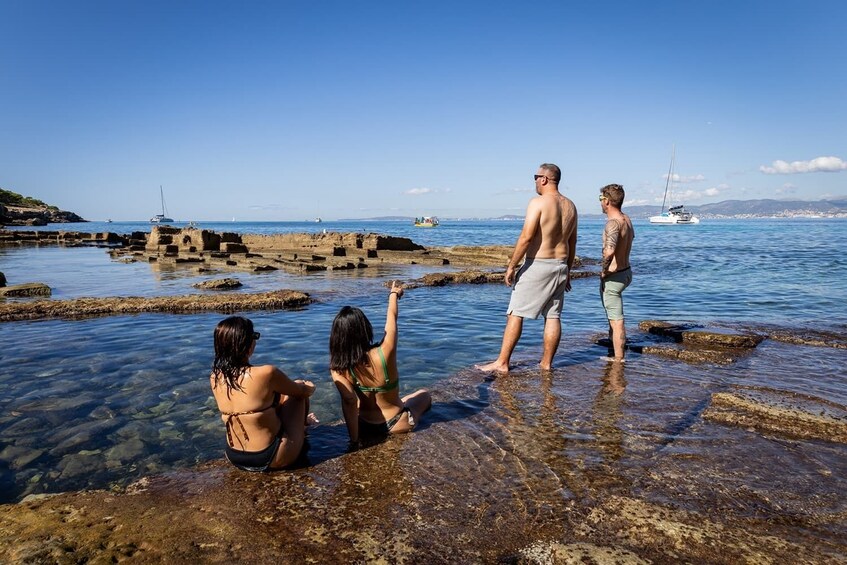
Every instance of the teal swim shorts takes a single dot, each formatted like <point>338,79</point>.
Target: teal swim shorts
<point>615,283</point>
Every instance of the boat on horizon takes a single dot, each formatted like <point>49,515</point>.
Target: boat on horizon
<point>426,222</point>
<point>674,215</point>
<point>161,218</point>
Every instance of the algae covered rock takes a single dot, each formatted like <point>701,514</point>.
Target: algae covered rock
<point>26,289</point>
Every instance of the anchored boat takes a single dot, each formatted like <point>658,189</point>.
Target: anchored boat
<point>426,222</point>
<point>161,218</point>
<point>674,214</point>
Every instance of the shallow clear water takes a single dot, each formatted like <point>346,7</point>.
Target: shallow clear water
<point>88,403</point>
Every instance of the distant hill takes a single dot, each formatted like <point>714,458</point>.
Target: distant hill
<point>764,208</point>
<point>17,210</point>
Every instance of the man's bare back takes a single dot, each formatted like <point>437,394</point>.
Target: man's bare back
<point>556,224</point>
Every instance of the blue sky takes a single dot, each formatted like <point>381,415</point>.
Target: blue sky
<point>292,110</point>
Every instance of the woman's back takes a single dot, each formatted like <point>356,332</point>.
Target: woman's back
<point>377,383</point>
<point>248,412</point>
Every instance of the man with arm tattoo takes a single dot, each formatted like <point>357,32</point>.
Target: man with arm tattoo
<point>616,274</point>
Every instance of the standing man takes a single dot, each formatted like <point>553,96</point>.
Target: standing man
<point>548,242</point>
<point>616,273</point>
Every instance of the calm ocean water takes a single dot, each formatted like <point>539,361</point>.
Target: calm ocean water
<point>102,401</point>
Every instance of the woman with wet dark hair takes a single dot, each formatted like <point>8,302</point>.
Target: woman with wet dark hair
<point>365,374</point>
<point>264,411</point>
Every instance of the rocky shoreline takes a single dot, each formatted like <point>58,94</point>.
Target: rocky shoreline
<point>563,509</point>
<point>35,216</point>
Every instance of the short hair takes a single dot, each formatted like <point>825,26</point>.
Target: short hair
<point>555,172</point>
<point>614,193</point>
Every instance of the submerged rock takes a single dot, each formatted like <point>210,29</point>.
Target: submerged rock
<point>780,412</point>
<point>812,338</point>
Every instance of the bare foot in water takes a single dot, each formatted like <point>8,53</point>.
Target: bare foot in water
<point>613,359</point>
<point>493,367</point>
<point>311,419</point>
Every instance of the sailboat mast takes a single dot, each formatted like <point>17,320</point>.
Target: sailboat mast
<point>162,196</point>
<point>670,175</point>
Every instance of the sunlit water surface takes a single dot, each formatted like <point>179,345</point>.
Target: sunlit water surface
<point>101,401</point>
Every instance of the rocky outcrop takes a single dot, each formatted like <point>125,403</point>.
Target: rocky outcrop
<point>296,253</point>
<point>690,334</point>
<point>66,238</point>
<point>84,307</point>
<point>2,280</point>
<point>694,344</point>
<point>26,289</point>
<point>219,284</point>
<point>35,216</point>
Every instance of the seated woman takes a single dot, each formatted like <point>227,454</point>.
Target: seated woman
<point>264,411</point>
<point>366,375</point>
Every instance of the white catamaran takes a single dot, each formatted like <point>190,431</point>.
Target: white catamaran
<point>161,218</point>
<point>674,214</point>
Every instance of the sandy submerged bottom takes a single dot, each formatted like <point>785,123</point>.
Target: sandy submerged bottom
<point>591,462</point>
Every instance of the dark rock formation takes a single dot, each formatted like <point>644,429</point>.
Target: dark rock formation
<point>67,238</point>
<point>690,334</point>
<point>26,289</point>
<point>696,345</point>
<point>82,307</point>
<point>219,284</point>
<point>35,216</point>
<point>2,279</point>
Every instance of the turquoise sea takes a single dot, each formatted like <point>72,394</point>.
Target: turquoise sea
<point>102,401</point>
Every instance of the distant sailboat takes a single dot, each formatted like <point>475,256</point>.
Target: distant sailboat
<point>674,214</point>
<point>161,218</point>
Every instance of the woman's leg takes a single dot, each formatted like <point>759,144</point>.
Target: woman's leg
<point>418,402</point>
<point>292,415</point>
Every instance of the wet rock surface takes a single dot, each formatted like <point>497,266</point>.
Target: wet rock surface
<point>809,337</point>
<point>695,344</point>
<point>26,289</point>
<point>219,284</point>
<point>511,470</point>
<point>84,307</point>
<point>792,415</point>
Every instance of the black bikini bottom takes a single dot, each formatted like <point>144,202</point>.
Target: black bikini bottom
<point>254,460</point>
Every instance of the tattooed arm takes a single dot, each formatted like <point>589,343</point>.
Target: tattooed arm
<point>610,242</point>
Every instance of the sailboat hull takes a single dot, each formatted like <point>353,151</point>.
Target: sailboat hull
<point>674,219</point>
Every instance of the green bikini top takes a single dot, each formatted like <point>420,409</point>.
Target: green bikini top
<point>385,388</point>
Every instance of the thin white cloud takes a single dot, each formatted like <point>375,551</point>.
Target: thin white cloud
<point>424,190</point>
<point>818,165</point>
<point>786,188</point>
<point>684,180</point>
